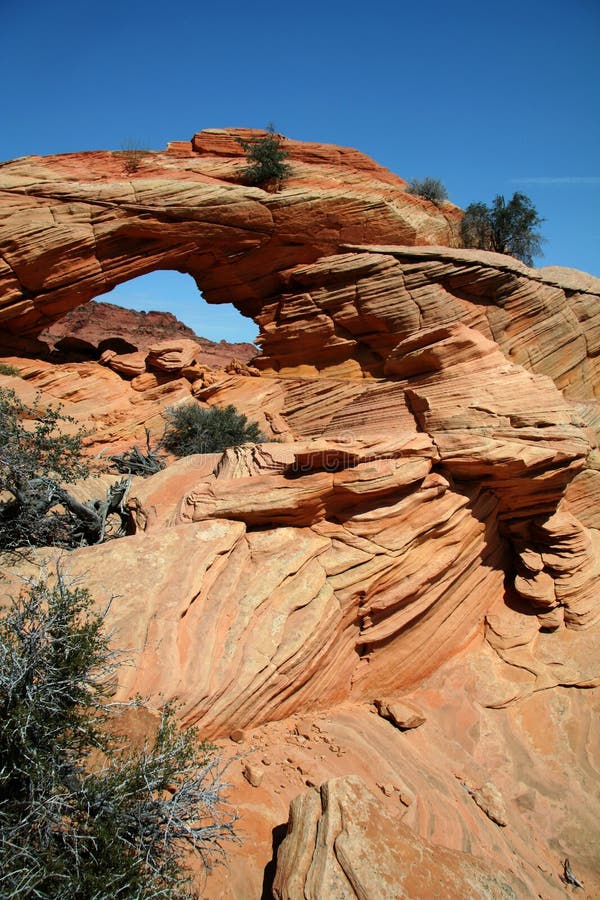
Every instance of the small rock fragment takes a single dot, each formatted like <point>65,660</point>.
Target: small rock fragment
<point>399,714</point>
<point>387,789</point>
<point>253,774</point>
<point>238,736</point>
<point>488,799</point>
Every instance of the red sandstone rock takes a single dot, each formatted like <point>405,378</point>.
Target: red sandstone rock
<point>172,355</point>
<point>128,364</point>
<point>190,215</point>
<point>342,843</point>
<point>89,330</point>
<point>399,714</point>
<point>438,471</point>
<point>254,774</point>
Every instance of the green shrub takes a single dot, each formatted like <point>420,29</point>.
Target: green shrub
<point>431,189</point>
<point>266,159</point>
<point>504,227</point>
<point>35,457</point>
<point>192,429</point>
<point>7,369</point>
<point>36,461</point>
<point>82,815</point>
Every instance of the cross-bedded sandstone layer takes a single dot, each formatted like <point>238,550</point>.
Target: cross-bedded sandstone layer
<point>74,226</point>
<point>422,517</point>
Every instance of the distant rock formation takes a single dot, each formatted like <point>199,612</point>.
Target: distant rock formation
<point>87,331</point>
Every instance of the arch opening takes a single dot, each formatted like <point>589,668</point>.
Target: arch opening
<point>172,306</point>
<point>166,290</point>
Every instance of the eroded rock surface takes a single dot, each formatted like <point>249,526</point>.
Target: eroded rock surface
<point>74,226</point>
<point>421,518</point>
<point>342,842</point>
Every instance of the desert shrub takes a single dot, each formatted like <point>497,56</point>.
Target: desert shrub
<point>504,227</point>
<point>35,456</point>
<point>82,816</point>
<point>132,155</point>
<point>192,429</point>
<point>431,189</point>
<point>36,460</point>
<point>266,159</point>
<point>7,369</point>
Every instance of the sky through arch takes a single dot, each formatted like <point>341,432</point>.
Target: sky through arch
<point>177,293</point>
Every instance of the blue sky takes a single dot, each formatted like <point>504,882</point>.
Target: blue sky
<point>491,98</point>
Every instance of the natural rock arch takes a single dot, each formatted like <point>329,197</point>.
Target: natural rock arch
<point>251,596</point>
<point>75,226</point>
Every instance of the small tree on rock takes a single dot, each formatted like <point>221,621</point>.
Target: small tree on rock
<point>266,159</point>
<point>504,227</point>
<point>431,189</point>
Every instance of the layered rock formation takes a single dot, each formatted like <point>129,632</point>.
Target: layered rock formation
<point>343,843</point>
<point>75,226</point>
<point>421,517</point>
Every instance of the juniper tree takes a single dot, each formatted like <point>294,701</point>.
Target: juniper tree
<point>82,815</point>
<point>266,159</point>
<point>504,227</point>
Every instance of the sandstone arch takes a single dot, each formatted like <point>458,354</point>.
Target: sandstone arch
<point>75,226</point>
<point>330,257</point>
<point>461,386</point>
<point>374,336</point>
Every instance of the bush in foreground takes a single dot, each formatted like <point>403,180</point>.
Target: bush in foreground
<point>431,189</point>
<point>71,827</point>
<point>504,227</point>
<point>192,429</point>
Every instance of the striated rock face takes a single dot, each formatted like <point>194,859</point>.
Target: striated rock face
<point>353,309</point>
<point>75,226</point>
<point>341,566</point>
<point>422,516</point>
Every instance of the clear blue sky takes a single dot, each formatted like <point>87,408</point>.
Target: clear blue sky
<point>489,97</point>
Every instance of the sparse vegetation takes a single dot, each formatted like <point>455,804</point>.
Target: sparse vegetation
<point>266,158</point>
<point>133,155</point>
<point>431,189</point>
<point>36,460</point>
<point>82,815</point>
<point>7,369</point>
<point>504,227</point>
<point>192,429</point>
